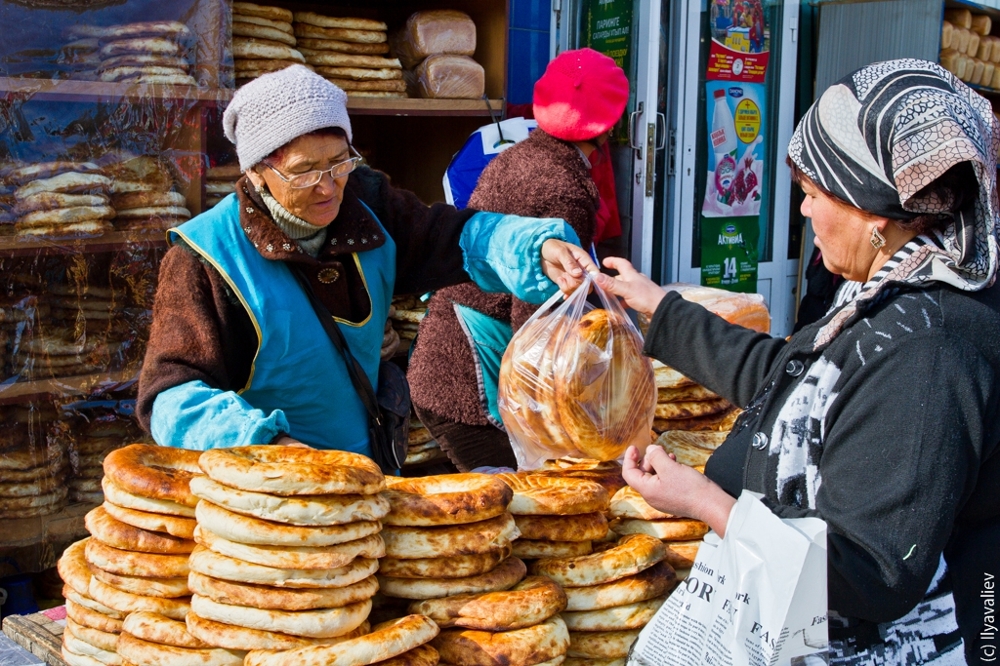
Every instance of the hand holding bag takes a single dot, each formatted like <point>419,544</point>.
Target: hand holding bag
<point>757,596</point>
<point>388,409</point>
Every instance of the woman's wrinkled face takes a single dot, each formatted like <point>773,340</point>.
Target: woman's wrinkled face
<point>842,233</point>
<point>318,205</point>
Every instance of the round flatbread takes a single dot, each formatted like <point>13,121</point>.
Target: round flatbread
<point>544,641</point>
<point>248,48</point>
<point>632,554</point>
<point>230,636</point>
<point>160,629</point>
<point>86,617</point>
<point>691,409</point>
<point>532,601</point>
<point>144,60</point>
<point>289,599</point>
<point>264,11</point>
<point>342,47</point>
<point>580,527</point>
<point>312,18</point>
<point>334,59</point>
<point>359,74</point>
<point>628,503</point>
<point>140,46</point>
<point>459,566</point>
<point>209,563</point>
<point>73,568</point>
<point>121,535</point>
<point>259,65</point>
<point>320,623</point>
<point>384,642</point>
<point>340,34</point>
<point>656,581</point>
<point>139,71</point>
<point>507,574</point>
<point>23,175</point>
<point>254,531</point>
<point>294,557</point>
<point>290,470</point>
<point>182,528</point>
<point>601,645</point>
<point>50,200</point>
<point>283,26</point>
<point>446,499</point>
<point>448,541</point>
<point>118,495</point>
<point>527,549</point>
<point>391,85</point>
<point>312,510</point>
<point>167,588</point>
<point>618,618</point>
<point>242,29</point>
<point>674,529</point>
<point>138,651</point>
<point>66,182</point>
<point>127,563</point>
<point>538,495</point>
<point>127,602</point>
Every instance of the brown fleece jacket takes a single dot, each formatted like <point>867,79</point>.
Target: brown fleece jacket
<point>540,177</point>
<point>200,331</point>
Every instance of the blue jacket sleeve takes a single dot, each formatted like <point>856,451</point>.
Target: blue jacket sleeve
<point>198,417</point>
<point>503,253</point>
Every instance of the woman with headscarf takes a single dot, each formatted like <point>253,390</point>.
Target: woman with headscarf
<point>455,365</point>
<point>237,354</point>
<point>883,417</point>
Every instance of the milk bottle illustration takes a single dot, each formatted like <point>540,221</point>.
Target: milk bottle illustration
<point>724,145</point>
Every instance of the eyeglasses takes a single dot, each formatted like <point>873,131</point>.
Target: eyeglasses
<point>301,181</point>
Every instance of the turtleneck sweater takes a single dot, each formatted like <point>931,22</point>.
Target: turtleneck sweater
<point>308,236</point>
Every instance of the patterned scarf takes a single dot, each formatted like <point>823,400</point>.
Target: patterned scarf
<point>878,137</point>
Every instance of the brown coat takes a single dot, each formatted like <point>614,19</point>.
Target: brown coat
<point>540,177</point>
<point>201,332</point>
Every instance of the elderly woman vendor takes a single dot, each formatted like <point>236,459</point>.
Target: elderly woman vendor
<point>883,417</point>
<point>236,353</point>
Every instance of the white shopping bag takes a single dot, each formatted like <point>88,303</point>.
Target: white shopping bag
<point>756,597</point>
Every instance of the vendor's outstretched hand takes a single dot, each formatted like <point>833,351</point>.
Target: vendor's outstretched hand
<point>674,488</point>
<point>638,291</point>
<point>566,264</point>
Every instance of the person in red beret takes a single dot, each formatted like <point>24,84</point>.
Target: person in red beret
<point>455,365</point>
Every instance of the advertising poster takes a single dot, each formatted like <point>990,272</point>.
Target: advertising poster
<point>729,252</point>
<point>735,169</point>
<point>741,41</point>
<point>609,29</point>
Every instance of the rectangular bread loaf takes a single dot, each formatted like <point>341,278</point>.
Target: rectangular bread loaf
<point>450,77</point>
<point>432,32</point>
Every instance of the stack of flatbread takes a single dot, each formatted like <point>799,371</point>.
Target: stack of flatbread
<point>152,638</point>
<point>351,53</point>
<point>62,354</point>
<point>288,546</point>
<point>263,40</point>
<point>682,404</point>
<point>19,315</point>
<point>421,446</point>
<point>516,626</point>
<point>631,514</point>
<point>80,58</point>
<point>61,199</point>
<point>92,628</point>
<point>556,516</point>
<point>142,534</point>
<point>68,302</point>
<point>87,451</point>
<point>33,467</point>
<point>145,52</point>
<point>406,314</point>
<point>142,194</point>
<point>220,182</point>
<point>611,595</point>
<point>608,473</point>
<point>446,535</point>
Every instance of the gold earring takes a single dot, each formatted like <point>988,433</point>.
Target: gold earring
<point>877,240</point>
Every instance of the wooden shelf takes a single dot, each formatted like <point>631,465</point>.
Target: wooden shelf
<point>79,385</point>
<point>14,245</point>
<point>374,106</point>
<point>68,90</point>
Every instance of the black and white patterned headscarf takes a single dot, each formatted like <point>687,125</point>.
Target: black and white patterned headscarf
<point>883,133</point>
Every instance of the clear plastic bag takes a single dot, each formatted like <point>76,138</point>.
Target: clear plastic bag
<point>747,310</point>
<point>574,382</point>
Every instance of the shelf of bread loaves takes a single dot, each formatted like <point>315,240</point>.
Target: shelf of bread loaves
<point>969,50</point>
<point>11,245</point>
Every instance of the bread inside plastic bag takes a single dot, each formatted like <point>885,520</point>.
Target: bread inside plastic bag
<point>431,32</point>
<point>574,382</point>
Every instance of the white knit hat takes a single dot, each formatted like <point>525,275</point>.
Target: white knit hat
<point>276,108</point>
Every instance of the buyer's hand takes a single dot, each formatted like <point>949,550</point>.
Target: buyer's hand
<point>565,263</point>
<point>285,440</point>
<point>674,488</point>
<point>638,291</point>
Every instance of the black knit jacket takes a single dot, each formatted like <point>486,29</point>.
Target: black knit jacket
<point>896,423</point>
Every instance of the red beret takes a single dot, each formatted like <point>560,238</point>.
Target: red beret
<point>581,95</point>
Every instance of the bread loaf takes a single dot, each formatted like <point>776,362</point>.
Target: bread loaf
<point>981,24</point>
<point>436,31</point>
<point>450,77</point>
<point>959,17</point>
<point>947,30</point>
<point>977,72</point>
<point>985,49</point>
<point>974,39</point>
<point>963,35</point>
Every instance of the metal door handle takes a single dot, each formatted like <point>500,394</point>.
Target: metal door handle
<point>633,133</point>
<point>661,130</point>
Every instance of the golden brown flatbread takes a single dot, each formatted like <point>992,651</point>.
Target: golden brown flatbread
<point>264,11</point>
<point>333,59</point>
<point>339,34</point>
<point>342,47</point>
<point>691,409</point>
<point>722,422</point>
<point>350,23</point>
<point>262,49</point>
<point>262,32</point>
<point>359,73</point>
